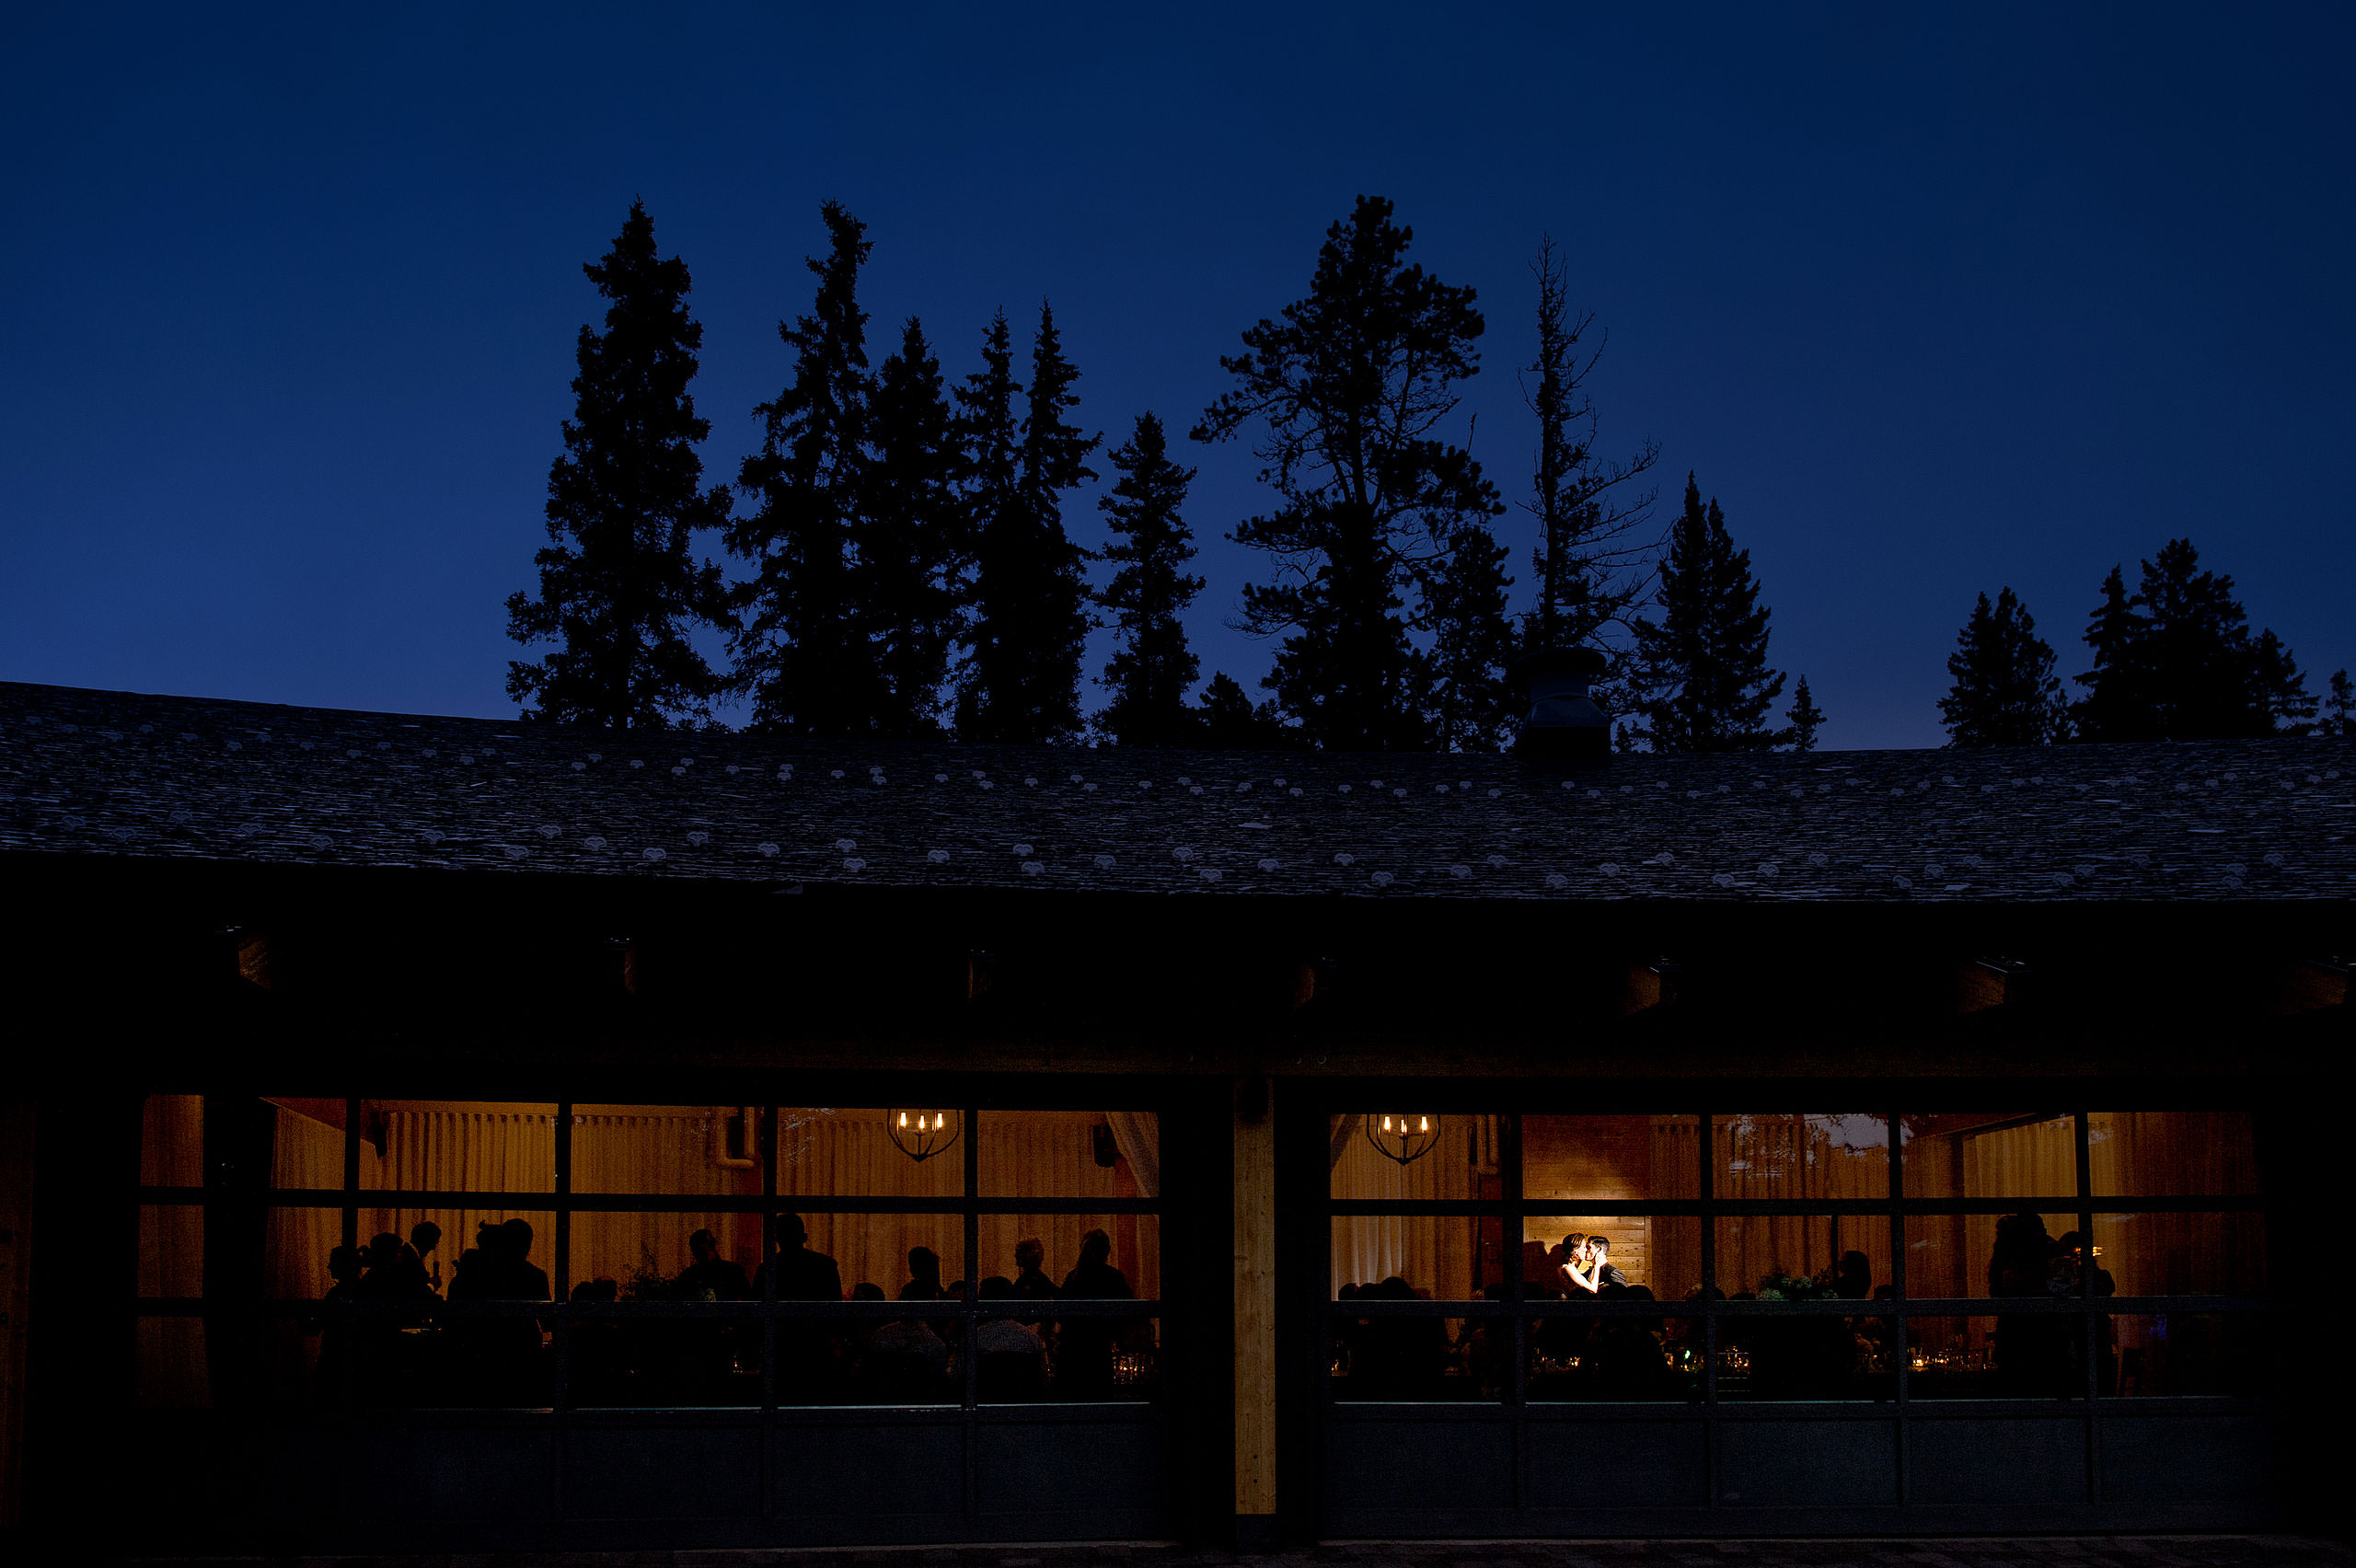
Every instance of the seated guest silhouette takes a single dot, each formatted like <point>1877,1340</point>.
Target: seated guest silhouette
<point>1084,1345</point>
<point>712,1277</point>
<point>1031,1281</point>
<point>906,1362</point>
<point>334,1328</point>
<point>423,1236</point>
<point>1010,1360</point>
<point>924,1275</point>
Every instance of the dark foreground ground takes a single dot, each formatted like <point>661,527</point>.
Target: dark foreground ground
<point>2040,1551</point>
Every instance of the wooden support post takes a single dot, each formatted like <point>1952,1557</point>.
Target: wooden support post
<point>1255,1301</point>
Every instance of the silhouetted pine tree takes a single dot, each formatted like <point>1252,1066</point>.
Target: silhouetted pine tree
<point>1029,601</point>
<point>1802,719</point>
<point>1152,669</point>
<point>1349,387</point>
<point>1702,661</point>
<point>1464,687</point>
<point>2341,719</point>
<point>2117,704</point>
<point>1591,570</point>
<point>620,588</point>
<point>911,544</point>
<point>2175,660</point>
<point>800,650</point>
<point>990,438</point>
<point>2005,693</point>
<point>1231,722</point>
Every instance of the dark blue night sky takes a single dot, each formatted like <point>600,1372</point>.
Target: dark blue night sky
<point>1934,300</point>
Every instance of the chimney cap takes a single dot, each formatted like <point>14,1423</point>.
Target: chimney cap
<point>1562,721</point>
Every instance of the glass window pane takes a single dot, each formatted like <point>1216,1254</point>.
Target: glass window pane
<point>1810,1357</point>
<point>171,1141</point>
<point>831,1152</point>
<point>2179,1354</point>
<point>1094,1258</point>
<point>1814,1255</point>
<point>458,1146</point>
<point>1950,1255</point>
<point>625,1359</point>
<point>2175,1254</point>
<point>1608,1158</point>
<point>1990,1155</point>
<point>1613,1358</point>
<point>1416,1359</point>
<point>667,1254</point>
<point>681,1150</point>
<point>1951,1358</point>
<point>1801,1156</point>
<point>1436,1158</point>
<point>171,1250</point>
<point>2163,1154</point>
<point>1070,1154</point>
<point>871,1257</point>
<point>1431,1258</point>
<point>1659,1256</point>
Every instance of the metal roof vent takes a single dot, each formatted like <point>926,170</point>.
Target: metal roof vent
<point>1562,721</point>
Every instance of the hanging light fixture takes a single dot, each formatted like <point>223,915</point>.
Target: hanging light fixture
<point>920,1134</point>
<point>1402,1139</point>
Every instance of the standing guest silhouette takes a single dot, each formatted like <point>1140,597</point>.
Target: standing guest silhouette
<point>805,1346</point>
<point>1084,1345</point>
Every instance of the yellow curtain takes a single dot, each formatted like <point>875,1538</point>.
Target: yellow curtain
<point>1800,1158</point>
<point>464,1150</point>
<point>668,1151</point>
<point>304,1153</point>
<point>171,1361</point>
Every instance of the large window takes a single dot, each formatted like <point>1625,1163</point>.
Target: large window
<point>348,1255</point>
<point>1831,1256</point>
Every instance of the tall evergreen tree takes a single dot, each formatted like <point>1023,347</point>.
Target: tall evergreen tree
<point>1704,659</point>
<point>2005,693</point>
<point>1349,390</point>
<point>1803,719</point>
<point>1030,599</point>
<point>2119,702</point>
<point>1464,697</point>
<point>1152,669</point>
<point>1231,721</point>
<point>621,590</point>
<point>800,652</point>
<point>989,440</point>
<point>2175,660</point>
<point>2340,709</point>
<point>911,547</point>
<point>1590,561</point>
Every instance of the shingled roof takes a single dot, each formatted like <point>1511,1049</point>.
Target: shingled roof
<point>93,773</point>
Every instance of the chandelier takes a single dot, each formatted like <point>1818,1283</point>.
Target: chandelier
<point>1403,1138</point>
<point>920,1134</point>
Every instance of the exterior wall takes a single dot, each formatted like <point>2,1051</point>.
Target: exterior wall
<point>16,1298</point>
